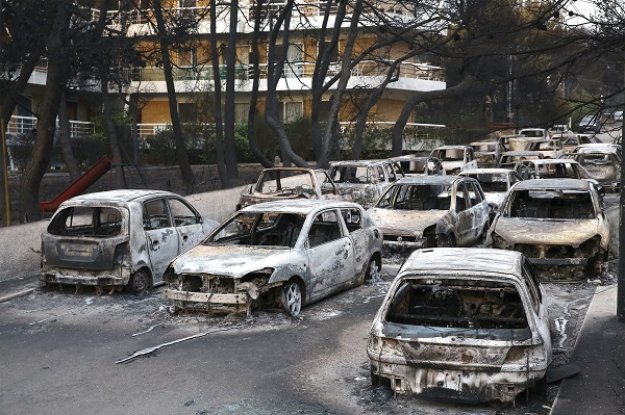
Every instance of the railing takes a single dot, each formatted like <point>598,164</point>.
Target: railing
<point>20,124</point>
<point>295,70</point>
<point>143,16</point>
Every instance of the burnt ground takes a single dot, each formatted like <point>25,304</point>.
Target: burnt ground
<point>60,350</point>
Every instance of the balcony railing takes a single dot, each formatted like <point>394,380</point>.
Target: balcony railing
<point>20,124</point>
<point>409,70</point>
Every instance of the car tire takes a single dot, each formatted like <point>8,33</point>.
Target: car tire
<point>139,283</point>
<point>446,240</point>
<point>292,298</point>
<point>373,270</point>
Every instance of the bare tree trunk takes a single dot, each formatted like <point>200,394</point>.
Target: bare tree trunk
<point>219,132</point>
<point>275,67</point>
<point>252,113</point>
<point>110,131</point>
<point>66,140</point>
<point>331,135</point>
<point>229,120</point>
<point>181,152</point>
<point>46,125</point>
<point>397,132</point>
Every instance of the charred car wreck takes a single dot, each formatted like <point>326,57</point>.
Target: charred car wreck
<point>119,238</point>
<point>558,224</point>
<point>287,253</point>
<point>466,324</point>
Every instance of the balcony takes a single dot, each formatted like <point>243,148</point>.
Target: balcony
<point>19,124</point>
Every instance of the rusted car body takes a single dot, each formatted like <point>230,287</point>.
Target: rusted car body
<point>551,169</point>
<point>495,182</point>
<point>282,183</point>
<point>293,253</point>
<point>509,159</point>
<point>455,158</point>
<point>119,238</point>
<point>487,152</point>
<point>558,224</point>
<point>466,324</point>
<point>426,211</point>
<point>416,165</point>
<point>364,180</point>
<point>604,167</point>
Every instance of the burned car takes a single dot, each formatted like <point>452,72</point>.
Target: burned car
<point>426,211</point>
<point>119,238</point>
<point>364,180</point>
<point>551,169</point>
<point>487,152</point>
<point>455,158</point>
<point>509,159</point>
<point>283,253</point>
<point>558,224</point>
<point>604,167</point>
<point>280,183</point>
<point>416,165</point>
<point>465,324</point>
<point>494,182</point>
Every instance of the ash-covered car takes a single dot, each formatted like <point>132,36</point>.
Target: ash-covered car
<point>364,180</point>
<point>426,211</point>
<point>551,169</point>
<point>281,183</point>
<point>509,159</point>
<point>284,253</point>
<point>119,238</point>
<point>487,152</point>
<point>416,165</point>
<point>466,324</point>
<point>494,182</point>
<point>604,167</point>
<point>455,158</point>
<point>558,224</point>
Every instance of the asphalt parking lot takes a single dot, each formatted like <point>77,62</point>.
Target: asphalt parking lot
<point>61,347</point>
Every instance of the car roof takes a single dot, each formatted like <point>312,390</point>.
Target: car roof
<point>545,184</point>
<point>599,147</point>
<point>486,170</point>
<point>436,180</point>
<point>359,162</point>
<point>552,161</point>
<point>472,260</point>
<point>521,153</point>
<point>456,147</point>
<point>298,206</point>
<point>120,196</point>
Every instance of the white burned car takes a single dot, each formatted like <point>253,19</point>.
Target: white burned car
<point>119,238</point>
<point>426,211</point>
<point>282,183</point>
<point>468,324</point>
<point>364,180</point>
<point>558,224</point>
<point>287,253</point>
<point>455,158</point>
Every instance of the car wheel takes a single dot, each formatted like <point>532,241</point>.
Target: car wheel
<point>446,240</point>
<point>292,298</point>
<point>139,283</point>
<point>373,270</point>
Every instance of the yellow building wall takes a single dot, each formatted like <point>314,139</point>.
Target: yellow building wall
<point>386,110</point>
<point>155,112</point>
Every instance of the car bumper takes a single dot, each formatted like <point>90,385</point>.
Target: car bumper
<point>399,247</point>
<point>464,385</point>
<point>206,298</point>
<point>90,278</point>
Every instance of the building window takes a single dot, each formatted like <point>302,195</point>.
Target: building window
<point>187,58</point>
<point>293,111</point>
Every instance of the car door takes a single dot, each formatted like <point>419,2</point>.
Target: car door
<point>330,254</point>
<point>461,207</point>
<point>161,236</point>
<point>188,224</point>
<point>479,206</point>
<point>353,218</point>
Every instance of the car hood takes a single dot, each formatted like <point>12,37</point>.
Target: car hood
<point>405,221</point>
<point>495,198</point>
<point>231,260</point>
<point>534,231</point>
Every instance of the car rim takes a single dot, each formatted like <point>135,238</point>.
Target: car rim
<point>293,299</point>
<point>373,273</point>
<point>139,282</point>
